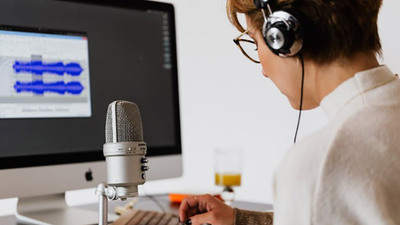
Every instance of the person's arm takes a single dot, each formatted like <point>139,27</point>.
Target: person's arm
<point>246,217</point>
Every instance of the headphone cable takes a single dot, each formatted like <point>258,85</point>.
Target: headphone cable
<point>301,96</point>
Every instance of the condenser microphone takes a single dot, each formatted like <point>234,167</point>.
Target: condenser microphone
<point>124,150</point>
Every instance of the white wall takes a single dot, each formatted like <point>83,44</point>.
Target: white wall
<point>225,101</point>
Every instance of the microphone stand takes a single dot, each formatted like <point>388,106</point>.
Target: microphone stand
<point>105,192</point>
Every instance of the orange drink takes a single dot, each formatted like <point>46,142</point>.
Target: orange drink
<point>228,180</point>
<point>228,164</point>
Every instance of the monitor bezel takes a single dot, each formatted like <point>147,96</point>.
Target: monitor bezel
<point>93,155</point>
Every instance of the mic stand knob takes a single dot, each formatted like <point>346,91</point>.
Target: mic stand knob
<point>111,193</point>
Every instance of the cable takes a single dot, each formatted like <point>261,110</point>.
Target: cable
<point>301,96</point>
<point>151,197</point>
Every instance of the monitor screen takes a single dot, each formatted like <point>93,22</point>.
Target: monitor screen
<point>63,62</point>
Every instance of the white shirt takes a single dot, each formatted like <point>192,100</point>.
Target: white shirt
<point>349,171</point>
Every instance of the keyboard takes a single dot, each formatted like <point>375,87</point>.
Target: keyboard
<point>145,217</point>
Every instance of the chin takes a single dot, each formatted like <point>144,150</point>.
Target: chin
<point>296,105</point>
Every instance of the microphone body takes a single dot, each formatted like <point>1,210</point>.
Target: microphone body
<point>124,150</point>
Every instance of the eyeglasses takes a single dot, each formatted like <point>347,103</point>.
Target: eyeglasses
<point>247,46</point>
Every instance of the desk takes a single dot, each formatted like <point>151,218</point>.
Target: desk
<point>147,203</point>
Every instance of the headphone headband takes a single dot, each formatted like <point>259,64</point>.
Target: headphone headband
<point>261,4</point>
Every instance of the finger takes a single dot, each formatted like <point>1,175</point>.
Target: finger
<point>206,203</point>
<point>213,211</point>
<point>192,212</point>
<point>188,207</point>
<point>204,218</point>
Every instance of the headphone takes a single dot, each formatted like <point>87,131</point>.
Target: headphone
<point>282,31</point>
<point>284,35</point>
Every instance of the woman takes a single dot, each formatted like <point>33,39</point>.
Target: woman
<point>323,53</point>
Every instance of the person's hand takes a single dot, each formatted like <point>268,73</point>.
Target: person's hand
<point>206,209</point>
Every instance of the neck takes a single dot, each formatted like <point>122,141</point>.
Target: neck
<point>324,79</point>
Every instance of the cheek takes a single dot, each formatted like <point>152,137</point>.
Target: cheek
<point>285,73</point>
<point>266,60</point>
<point>272,65</point>
<point>279,70</point>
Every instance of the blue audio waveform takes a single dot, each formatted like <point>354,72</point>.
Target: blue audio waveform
<point>38,67</point>
<point>39,87</point>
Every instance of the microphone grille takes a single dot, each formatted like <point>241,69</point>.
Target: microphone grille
<point>123,122</point>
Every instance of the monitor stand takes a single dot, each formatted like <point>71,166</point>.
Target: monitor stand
<point>52,209</point>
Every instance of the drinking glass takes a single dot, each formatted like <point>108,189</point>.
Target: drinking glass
<point>228,170</point>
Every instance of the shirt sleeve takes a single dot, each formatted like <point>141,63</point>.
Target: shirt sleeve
<point>246,217</point>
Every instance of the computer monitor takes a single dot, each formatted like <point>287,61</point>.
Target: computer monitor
<point>61,64</point>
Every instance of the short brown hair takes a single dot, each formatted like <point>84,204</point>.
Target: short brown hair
<point>333,29</point>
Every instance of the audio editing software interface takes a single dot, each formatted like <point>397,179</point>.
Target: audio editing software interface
<point>43,75</point>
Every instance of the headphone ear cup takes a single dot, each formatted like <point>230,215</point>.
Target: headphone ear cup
<point>283,34</point>
<point>279,37</point>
